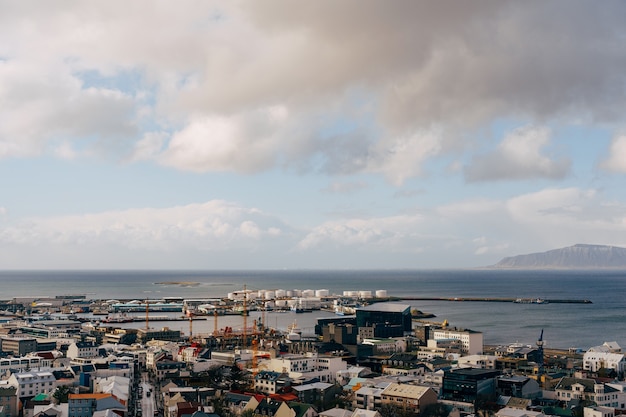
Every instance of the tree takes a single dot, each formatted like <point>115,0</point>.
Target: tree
<point>61,394</point>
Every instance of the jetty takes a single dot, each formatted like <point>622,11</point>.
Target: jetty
<point>497,300</point>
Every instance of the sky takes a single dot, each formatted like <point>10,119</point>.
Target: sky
<point>349,134</point>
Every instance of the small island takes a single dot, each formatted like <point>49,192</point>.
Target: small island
<point>179,283</point>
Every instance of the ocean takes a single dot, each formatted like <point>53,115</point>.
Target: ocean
<point>564,325</point>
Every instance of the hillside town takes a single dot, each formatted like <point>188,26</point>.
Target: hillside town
<point>373,358</point>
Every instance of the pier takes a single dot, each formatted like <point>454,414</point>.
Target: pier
<point>496,300</point>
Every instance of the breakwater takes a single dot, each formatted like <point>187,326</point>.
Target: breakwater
<point>497,300</point>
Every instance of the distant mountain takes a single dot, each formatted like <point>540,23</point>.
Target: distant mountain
<point>577,256</point>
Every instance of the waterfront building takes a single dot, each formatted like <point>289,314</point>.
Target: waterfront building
<point>165,334</point>
<point>607,356</point>
<point>50,329</point>
<point>408,396</point>
<point>384,320</point>
<point>471,340</point>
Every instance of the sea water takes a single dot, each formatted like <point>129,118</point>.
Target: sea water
<point>565,325</point>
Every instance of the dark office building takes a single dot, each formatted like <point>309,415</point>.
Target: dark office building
<point>466,385</point>
<point>384,320</point>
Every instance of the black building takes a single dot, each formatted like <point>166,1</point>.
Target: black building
<point>468,385</point>
<point>384,320</point>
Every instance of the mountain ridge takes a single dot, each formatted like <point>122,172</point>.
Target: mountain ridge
<point>579,256</point>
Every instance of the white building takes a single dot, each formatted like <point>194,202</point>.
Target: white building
<point>24,364</point>
<point>29,384</point>
<point>598,411</point>
<point>308,366</point>
<point>386,346</point>
<point>368,398</point>
<point>82,350</point>
<point>471,341</point>
<point>607,356</point>
<point>478,361</point>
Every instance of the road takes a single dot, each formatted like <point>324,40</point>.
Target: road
<point>147,397</point>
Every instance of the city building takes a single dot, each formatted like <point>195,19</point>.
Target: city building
<point>8,402</point>
<point>18,345</point>
<point>471,340</point>
<point>382,320</point>
<point>408,396</point>
<point>305,367</point>
<point>82,350</point>
<point>85,405</point>
<point>29,384</point>
<point>518,386</point>
<point>607,356</point>
<point>269,382</point>
<point>467,385</point>
<point>571,388</point>
<point>165,333</point>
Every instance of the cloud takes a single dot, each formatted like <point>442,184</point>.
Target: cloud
<point>417,67</point>
<point>212,226</point>
<point>517,157</point>
<point>344,187</point>
<point>245,143</point>
<point>616,160</point>
<point>43,107</point>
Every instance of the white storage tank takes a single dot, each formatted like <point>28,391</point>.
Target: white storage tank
<point>296,293</point>
<point>381,293</point>
<point>351,294</point>
<point>269,295</point>
<point>322,293</point>
<point>281,293</point>
<point>365,294</point>
<point>261,294</point>
<point>308,293</point>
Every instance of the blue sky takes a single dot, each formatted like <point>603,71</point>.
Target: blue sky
<point>275,134</point>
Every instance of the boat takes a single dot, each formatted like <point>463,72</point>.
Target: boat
<point>118,318</point>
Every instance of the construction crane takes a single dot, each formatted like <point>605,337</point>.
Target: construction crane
<point>147,315</point>
<point>540,353</point>
<point>190,316</point>
<point>244,312</point>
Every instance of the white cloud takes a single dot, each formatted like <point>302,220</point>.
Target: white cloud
<point>616,160</point>
<point>519,156</point>
<point>212,226</point>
